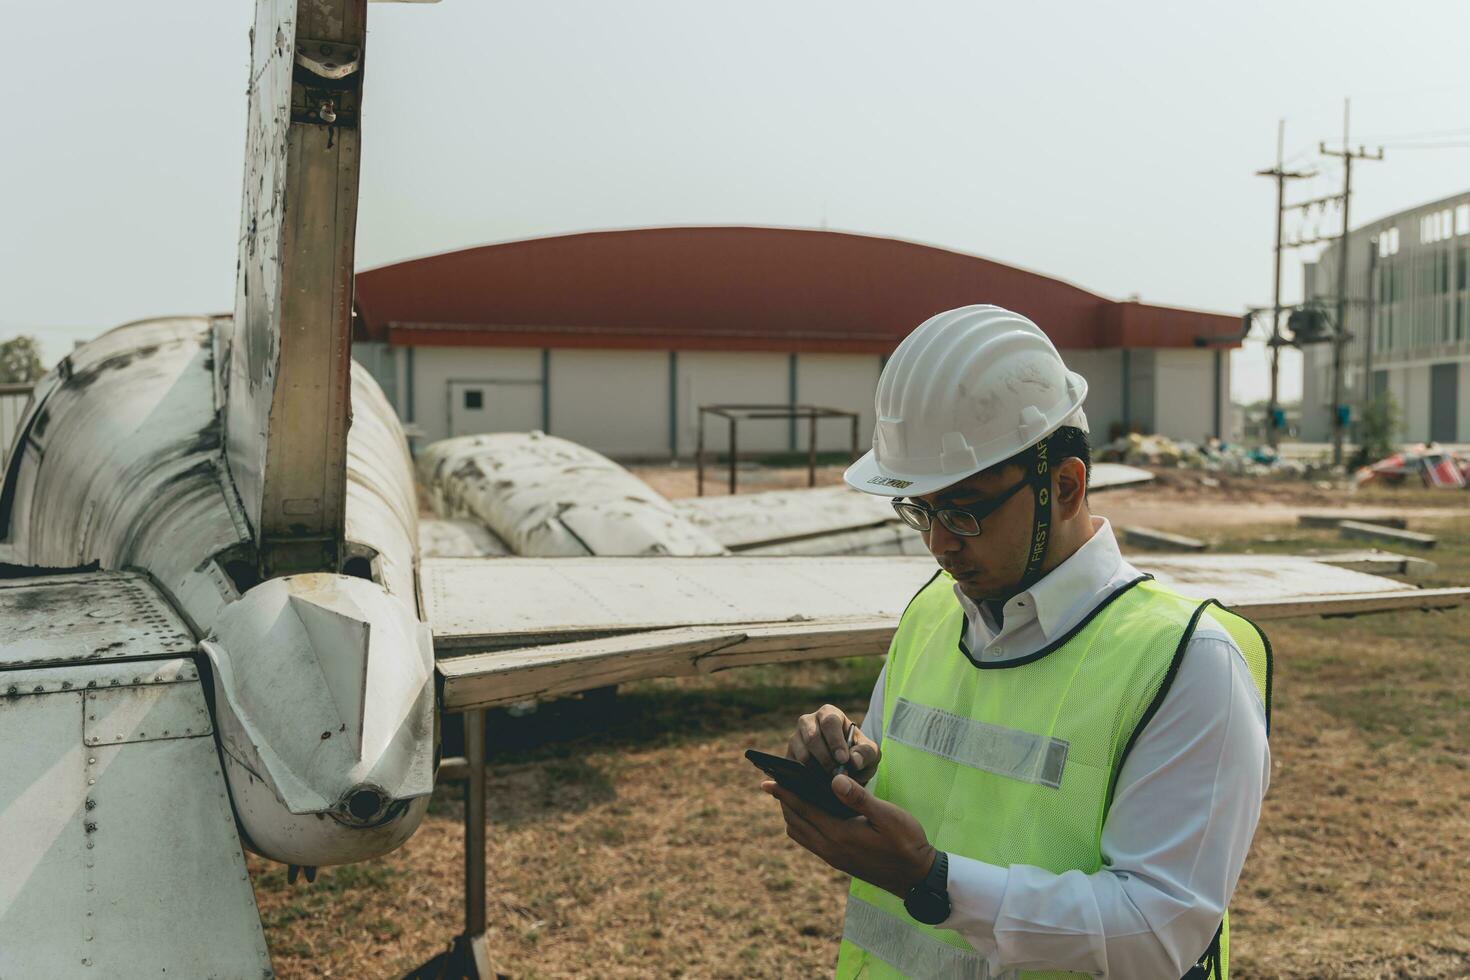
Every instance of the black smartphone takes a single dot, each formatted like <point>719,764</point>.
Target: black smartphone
<point>812,783</point>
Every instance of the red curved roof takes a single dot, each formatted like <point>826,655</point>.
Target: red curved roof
<point>732,288</point>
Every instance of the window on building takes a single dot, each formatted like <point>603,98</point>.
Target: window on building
<point>1462,219</point>
<point>474,399</point>
<point>1393,240</point>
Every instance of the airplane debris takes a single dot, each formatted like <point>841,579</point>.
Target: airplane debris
<point>1147,537</point>
<point>1376,532</point>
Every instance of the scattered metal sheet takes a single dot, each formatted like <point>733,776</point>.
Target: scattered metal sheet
<point>1375,562</point>
<point>458,537</point>
<point>479,605</point>
<point>1376,532</point>
<point>86,616</point>
<point>1147,537</point>
<point>121,860</point>
<point>1109,476</point>
<point>1242,581</point>
<point>1333,520</point>
<point>890,539</point>
<point>741,522</point>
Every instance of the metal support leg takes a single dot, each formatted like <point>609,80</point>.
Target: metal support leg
<point>811,450</point>
<point>474,838</point>
<point>732,454</point>
<point>469,958</point>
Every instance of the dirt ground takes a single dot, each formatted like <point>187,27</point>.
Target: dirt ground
<point>629,839</point>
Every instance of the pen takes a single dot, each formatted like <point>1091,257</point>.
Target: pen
<point>842,769</point>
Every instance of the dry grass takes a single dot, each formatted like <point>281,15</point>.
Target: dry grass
<point>630,839</point>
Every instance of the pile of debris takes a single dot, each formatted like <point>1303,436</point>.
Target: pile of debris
<point>1213,455</point>
<point>1433,465</point>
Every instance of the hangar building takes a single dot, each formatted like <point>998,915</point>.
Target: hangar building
<point>614,339</point>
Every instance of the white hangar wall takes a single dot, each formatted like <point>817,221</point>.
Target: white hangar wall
<point>644,404</point>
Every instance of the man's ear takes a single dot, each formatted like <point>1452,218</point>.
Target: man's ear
<point>1071,491</point>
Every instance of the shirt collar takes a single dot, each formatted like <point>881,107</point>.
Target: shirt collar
<point>1077,581</point>
<point>1067,590</point>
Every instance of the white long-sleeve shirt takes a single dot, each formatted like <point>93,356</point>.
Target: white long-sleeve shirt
<point>1175,839</point>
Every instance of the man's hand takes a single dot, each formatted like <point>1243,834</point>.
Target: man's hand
<point>821,739</point>
<point>884,845</point>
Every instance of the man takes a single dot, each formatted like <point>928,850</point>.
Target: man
<point>1062,764</point>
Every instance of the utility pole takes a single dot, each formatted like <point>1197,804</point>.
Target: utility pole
<point>1339,339</point>
<point>1273,410</point>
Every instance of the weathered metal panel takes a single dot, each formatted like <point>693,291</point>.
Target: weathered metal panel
<point>122,464</point>
<point>744,521</point>
<point>382,502</point>
<point>1242,580</point>
<point>548,497</point>
<point>1106,476</point>
<point>492,605</point>
<point>458,537</point>
<point>516,675</point>
<point>290,358</point>
<point>86,616</point>
<point>146,713</point>
<point>121,860</point>
<point>488,604</point>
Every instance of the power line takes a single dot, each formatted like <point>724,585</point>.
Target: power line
<point>1339,338</point>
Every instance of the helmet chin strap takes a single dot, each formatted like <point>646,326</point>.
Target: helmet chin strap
<point>1040,475</point>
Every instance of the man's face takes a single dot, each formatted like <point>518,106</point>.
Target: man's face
<point>987,566</point>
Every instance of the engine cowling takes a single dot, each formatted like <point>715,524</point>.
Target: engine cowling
<point>325,705</point>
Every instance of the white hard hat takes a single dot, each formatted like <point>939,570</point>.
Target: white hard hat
<point>968,389</point>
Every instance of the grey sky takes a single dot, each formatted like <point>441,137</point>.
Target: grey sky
<point>1110,145</point>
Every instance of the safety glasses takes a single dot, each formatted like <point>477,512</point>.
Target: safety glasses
<point>964,521</point>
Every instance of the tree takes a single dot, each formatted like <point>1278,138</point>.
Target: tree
<point>20,360</point>
<point>1380,430</point>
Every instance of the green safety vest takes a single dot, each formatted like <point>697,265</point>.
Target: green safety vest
<point>1016,762</point>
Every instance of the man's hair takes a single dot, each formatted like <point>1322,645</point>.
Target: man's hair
<point>1068,441</point>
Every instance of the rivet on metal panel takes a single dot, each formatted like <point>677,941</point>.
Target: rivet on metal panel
<point>91,827</point>
<point>91,804</point>
<point>39,689</point>
<point>91,762</point>
<point>89,845</point>
<point>91,782</point>
<point>86,962</point>
<point>66,685</point>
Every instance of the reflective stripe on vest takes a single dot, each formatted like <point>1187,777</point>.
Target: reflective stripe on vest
<point>1015,762</point>
<point>909,950</point>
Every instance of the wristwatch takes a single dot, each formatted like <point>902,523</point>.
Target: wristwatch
<point>928,901</point>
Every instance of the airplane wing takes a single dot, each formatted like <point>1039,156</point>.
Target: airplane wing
<point>512,629</point>
<point>117,837</point>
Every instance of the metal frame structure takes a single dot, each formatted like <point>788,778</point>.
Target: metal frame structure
<point>734,414</point>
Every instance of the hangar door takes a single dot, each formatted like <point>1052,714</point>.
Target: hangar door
<point>494,406</point>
